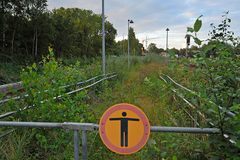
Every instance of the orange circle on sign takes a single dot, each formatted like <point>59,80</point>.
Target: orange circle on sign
<point>124,128</point>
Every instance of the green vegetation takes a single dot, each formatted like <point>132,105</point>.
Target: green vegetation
<point>219,65</point>
<point>152,48</point>
<point>9,73</point>
<point>28,29</point>
<point>140,86</point>
<point>121,47</point>
<point>72,37</point>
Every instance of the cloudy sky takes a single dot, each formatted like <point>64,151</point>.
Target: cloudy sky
<point>152,17</point>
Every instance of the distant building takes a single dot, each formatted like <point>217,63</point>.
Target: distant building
<point>164,54</point>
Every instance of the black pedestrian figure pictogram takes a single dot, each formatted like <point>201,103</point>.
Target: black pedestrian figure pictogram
<point>124,128</point>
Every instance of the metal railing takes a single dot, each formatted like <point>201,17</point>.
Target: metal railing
<point>6,88</point>
<point>7,133</point>
<point>60,96</point>
<point>84,127</point>
<point>66,86</point>
<point>229,113</point>
<point>94,79</point>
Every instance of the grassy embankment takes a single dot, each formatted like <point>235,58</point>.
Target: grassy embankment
<point>140,86</point>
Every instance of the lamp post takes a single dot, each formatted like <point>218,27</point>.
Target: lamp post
<point>129,22</point>
<point>103,41</point>
<point>188,39</point>
<point>167,39</point>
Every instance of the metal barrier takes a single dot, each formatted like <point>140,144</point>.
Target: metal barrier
<point>67,86</point>
<point>6,88</point>
<point>84,127</point>
<point>110,76</point>
<point>230,114</point>
<point>94,81</point>
<point>7,133</point>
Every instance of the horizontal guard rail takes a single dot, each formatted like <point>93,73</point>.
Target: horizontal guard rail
<point>67,86</point>
<point>226,136</point>
<point>58,97</point>
<point>185,130</point>
<point>93,127</point>
<point>84,127</point>
<point>18,85</point>
<point>229,113</point>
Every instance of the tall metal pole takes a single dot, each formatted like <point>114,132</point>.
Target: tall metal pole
<point>167,40</point>
<point>103,40</point>
<point>128,46</point>
<point>129,22</point>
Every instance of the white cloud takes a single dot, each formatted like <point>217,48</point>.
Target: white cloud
<point>152,17</point>
<point>189,14</point>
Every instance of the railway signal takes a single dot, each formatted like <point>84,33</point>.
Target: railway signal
<point>188,41</point>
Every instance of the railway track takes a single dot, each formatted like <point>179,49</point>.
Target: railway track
<point>5,100</point>
<point>8,88</point>
<point>83,85</point>
<point>169,81</point>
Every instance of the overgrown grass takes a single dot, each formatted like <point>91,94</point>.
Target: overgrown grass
<point>143,88</point>
<point>139,85</point>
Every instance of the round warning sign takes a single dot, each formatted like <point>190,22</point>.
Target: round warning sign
<point>124,128</point>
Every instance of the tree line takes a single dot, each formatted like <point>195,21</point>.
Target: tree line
<point>28,29</point>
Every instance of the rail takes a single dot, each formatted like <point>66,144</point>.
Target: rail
<point>57,97</point>
<point>106,77</point>
<point>84,127</point>
<point>191,105</point>
<point>7,87</point>
<point>229,113</point>
<point>7,133</point>
<point>67,86</point>
<point>226,136</point>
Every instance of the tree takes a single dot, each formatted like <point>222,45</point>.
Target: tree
<point>152,48</point>
<point>24,23</point>
<point>35,12</point>
<point>78,32</point>
<point>176,51</point>
<point>135,46</point>
<point>28,28</point>
<point>121,47</point>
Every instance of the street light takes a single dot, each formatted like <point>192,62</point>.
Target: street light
<point>103,41</point>
<point>167,39</point>
<point>129,22</point>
